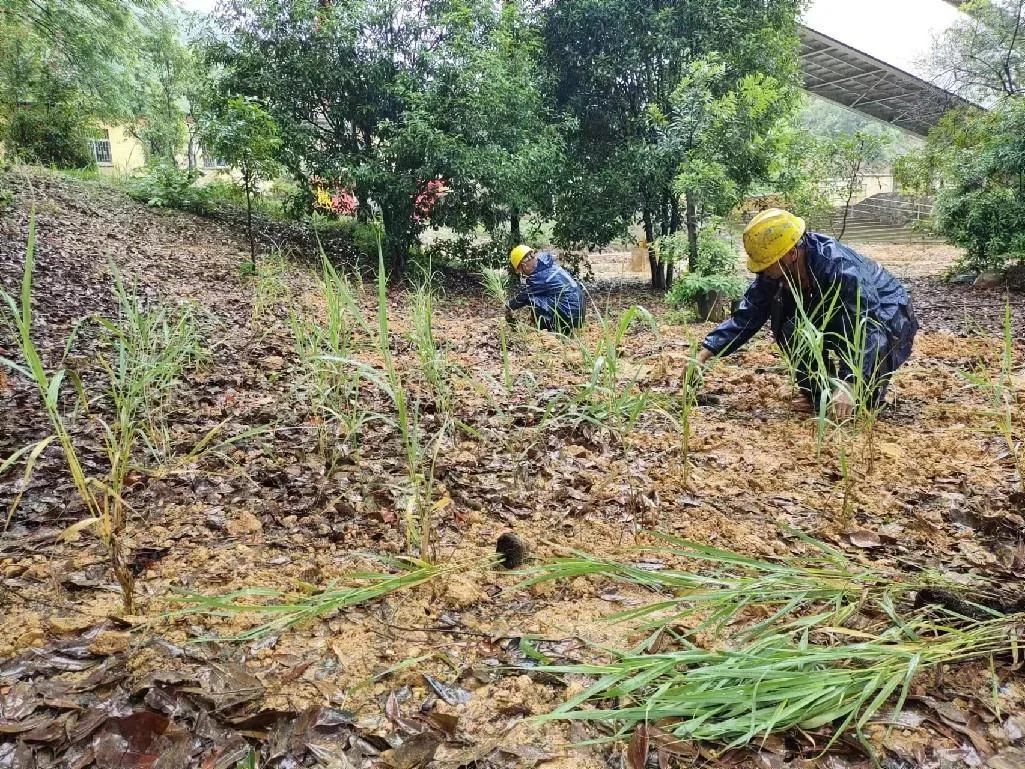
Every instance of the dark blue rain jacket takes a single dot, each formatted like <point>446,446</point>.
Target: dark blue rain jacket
<point>844,285</point>
<point>555,297</point>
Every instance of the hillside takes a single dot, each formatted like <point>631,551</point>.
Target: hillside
<point>258,486</point>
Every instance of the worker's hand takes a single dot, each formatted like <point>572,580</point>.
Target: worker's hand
<point>509,317</point>
<point>694,377</point>
<point>841,404</point>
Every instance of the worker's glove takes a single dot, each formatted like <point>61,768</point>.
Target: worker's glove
<point>509,317</point>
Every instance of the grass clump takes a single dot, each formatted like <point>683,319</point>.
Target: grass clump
<point>289,610</point>
<point>148,350</point>
<point>734,696</point>
<point>814,642</point>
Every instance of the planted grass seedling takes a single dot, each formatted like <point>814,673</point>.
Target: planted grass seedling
<point>150,349</point>
<point>809,360</point>
<point>1007,410</point>
<point>605,400</point>
<point>286,611</point>
<point>420,456</point>
<point>496,287</point>
<point>680,412</point>
<point>433,364</point>
<point>271,289</point>
<point>323,349</point>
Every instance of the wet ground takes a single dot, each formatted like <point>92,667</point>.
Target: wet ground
<point>436,673</point>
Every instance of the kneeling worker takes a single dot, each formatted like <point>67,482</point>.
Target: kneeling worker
<point>555,298</point>
<point>864,313</point>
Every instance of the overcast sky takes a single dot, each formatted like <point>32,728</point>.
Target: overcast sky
<point>897,31</point>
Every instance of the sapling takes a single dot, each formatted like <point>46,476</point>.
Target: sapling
<point>334,385</point>
<point>432,358</point>
<point>1007,408</point>
<point>496,287</point>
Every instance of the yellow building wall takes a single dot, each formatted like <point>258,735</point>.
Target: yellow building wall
<point>126,152</point>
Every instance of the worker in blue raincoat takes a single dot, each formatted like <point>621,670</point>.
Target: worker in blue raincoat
<point>828,307</point>
<point>556,299</point>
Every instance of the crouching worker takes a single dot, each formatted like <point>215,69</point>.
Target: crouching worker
<point>864,314</point>
<point>556,299</point>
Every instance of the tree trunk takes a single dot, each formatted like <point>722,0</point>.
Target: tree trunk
<point>674,226</point>
<point>692,231</point>
<point>514,226</point>
<point>247,182</point>
<point>658,277</point>
<point>396,242</point>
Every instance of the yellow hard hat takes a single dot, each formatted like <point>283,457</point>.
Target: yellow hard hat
<point>517,255</point>
<point>769,236</point>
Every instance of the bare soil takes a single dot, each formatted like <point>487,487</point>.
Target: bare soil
<point>81,685</point>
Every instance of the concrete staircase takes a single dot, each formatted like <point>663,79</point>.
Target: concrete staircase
<point>892,208</point>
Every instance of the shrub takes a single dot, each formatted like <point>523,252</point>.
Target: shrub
<point>715,272</point>
<point>165,186</point>
<point>51,137</point>
<point>465,253</point>
<point>691,286</point>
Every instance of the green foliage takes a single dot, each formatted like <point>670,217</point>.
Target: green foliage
<point>56,135</point>
<point>383,103</point>
<point>465,253</point>
<point>726,138</point>
<point>983,51</point>
<point>628,142</point>
<point>981,206</point>
<point>84,45</point>
<point>244,135</point>
<point>714,272</point>
<point>165,186</point>
<point>825,120</point>
<point>690,287</point>
<point>165,75</point>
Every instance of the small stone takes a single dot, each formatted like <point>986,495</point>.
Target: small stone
<point>244,523</point>
<point>273,362</point>
<point>989,280</point>
<point>109,642</point>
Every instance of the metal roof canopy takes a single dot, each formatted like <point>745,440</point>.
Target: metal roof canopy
<point>860,82</point>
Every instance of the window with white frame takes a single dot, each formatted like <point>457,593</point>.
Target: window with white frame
<point>101,148</point>
<point>209,161</point>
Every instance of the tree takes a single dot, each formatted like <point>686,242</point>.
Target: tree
<point>63,68</point>
<point>616,65</point>
<point>89,43</point>
<point>247,138</point>
<point>724,143</point>
<point>360,92</point>
<point>826,120</point>
<point>43,117</point>
<point>983,53</point>
<point>504,143</point>
<point>847,157</point>
<point>981,203</point>
<point>165,77</point>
